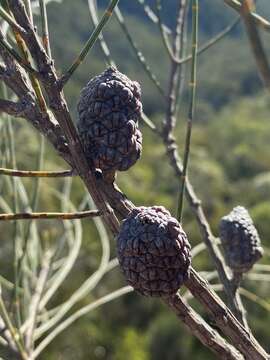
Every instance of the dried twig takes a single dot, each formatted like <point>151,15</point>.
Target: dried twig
<point>41,174</point>
<point>207,335</point>
<point>50,215</point>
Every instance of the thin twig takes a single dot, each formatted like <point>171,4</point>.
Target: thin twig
<point>50,215</point>
<point>45,29</point>
<point>208,44</point>
<point>163,33</point>
<point>90,42</point>
<point>191,111</point>
<point>16,56</point>
<point>30,173</point>
<point>138,53</point>
<point>93,10</point>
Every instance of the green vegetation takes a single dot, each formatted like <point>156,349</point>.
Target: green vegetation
<point>229,166</point>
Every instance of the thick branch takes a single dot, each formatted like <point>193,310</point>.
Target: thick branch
<point>199,328</point>
<point>241,338</point>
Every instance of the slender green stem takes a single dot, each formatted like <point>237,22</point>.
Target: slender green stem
<point>10,20</point>
<point>90,42</point>
<point>93,10</point>
<point>16,56</point>
<point>195,10</point>
<point>213,41</point>
<point>45,29</point>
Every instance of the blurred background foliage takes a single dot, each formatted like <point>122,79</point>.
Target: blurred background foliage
<point>229,166</point>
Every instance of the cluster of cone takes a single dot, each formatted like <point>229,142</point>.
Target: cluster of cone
<point>152,248</point>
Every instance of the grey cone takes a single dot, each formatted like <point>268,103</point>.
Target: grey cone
<point>153,251</point>
<point>240,240</point>
<point>109,109</point>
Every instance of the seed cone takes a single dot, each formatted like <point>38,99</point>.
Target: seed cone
<point>240,240</point>
<point>153,251</point>
<point>109,109</point>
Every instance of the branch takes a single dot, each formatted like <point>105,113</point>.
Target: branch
<point>259,20</point>
<point>29,173</point>
<point>208,44</point>
<point>172,151</point>
<point>12,108</point>
<point>241,338</point>
<point>191,111</point>
<point>199,328</point>
<point>209,239</point>
<point>163,33</point>
<point>50,216</point>
<point>16,56</point>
